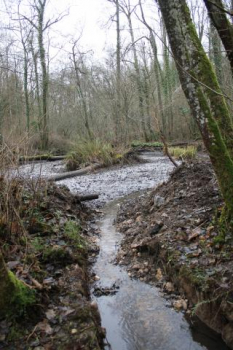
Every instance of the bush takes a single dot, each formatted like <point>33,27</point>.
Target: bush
<point>183,153</point>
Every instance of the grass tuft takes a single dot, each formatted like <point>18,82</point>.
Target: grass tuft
<point>183,153</point>
<point>94,151</point>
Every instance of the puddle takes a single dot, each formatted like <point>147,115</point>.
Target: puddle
<point>136,317</point>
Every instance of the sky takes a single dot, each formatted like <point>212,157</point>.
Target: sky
<point>88,17</point>
<point>88,20</point>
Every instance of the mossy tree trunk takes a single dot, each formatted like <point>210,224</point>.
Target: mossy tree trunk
<point>14,295</point>
<point>218,14</point>
<point>203,93</point>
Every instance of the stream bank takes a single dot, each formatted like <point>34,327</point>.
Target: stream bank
<point>46,245</point>
<point>170,241</point>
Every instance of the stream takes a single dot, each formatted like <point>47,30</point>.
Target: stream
<point>136,317</point>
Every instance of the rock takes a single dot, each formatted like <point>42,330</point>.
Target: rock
<point>96,278</point>
<point>94,305</point>
<point>158,201</point>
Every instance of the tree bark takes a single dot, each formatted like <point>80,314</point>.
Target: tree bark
<point>203,93</point>
<point>45,131</point>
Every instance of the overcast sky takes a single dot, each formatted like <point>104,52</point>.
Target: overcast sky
<point>88,17</point>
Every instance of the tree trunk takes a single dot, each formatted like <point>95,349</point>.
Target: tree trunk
<point>81,94</point>
<point>118,119</point>
<point>138,78</point>
<point>37,84</point>
<point>215,46</point>
<point>224,27</point>
<point>45,132</point>
<point>203,93</point>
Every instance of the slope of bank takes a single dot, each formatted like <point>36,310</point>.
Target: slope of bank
<point>45,243</point>
<point>170,240</point>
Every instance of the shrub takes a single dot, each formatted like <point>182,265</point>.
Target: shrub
<point>183,153</point>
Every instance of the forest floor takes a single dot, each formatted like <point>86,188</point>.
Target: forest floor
<point>50,256</point>
<point>171,240</point>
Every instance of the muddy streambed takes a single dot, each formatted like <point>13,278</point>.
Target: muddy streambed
<point>135,315</point>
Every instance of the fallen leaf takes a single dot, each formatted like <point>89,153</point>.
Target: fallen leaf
<point>44,327</point>
<point>50,314</point>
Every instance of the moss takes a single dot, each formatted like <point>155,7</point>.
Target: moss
<point>72,232</point>
<point>16,297</point>
<point>196,276</point>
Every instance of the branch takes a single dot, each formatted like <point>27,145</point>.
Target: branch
<point>221,8</point>
<point>56,20</point>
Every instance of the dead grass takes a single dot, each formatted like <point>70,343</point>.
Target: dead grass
<point>183,153</point>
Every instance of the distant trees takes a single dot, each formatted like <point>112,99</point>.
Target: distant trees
<point>133,93</point>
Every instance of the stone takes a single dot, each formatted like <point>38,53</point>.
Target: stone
<point>158,201</point>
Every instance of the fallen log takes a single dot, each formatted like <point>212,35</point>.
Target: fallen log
<point>75,173</point>
<point>41,157</point>
<point>87,197</point>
